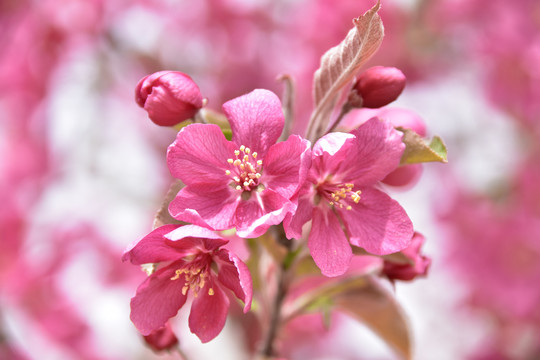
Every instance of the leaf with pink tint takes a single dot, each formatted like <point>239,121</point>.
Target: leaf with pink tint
<point>340,64</point>
<point>376,307</point>
<point>163,217</point>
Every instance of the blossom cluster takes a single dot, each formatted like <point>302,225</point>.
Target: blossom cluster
<point>327,196</point>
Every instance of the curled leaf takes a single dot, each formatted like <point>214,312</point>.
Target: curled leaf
<point>340,64</point>
<point>417,150</point>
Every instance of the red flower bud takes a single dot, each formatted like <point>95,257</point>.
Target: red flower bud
<point>379,86</point>
<point>162,338</point>
<point>169,97</point>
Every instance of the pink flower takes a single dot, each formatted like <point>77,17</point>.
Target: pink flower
<point>418,265</point>
<point>169,97</point>
<point>247,183</point>
<point>190,260</point>
<point>341,198</point>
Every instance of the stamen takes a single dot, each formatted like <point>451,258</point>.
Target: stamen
<point>242,147</point>
<point>211,292</point>
<point>236,152</point>
<point>254,155</point>
<point>230,161</point>
<point>227,172</point>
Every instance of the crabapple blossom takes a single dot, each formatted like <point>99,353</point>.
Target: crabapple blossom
<point>341,199</point>
<point>190,260</point>
<point>249,182</point>
<point>418,266</point>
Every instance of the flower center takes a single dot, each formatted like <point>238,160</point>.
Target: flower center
<point>340,195</point>
<point>194,279</point>
<point>245,170</point>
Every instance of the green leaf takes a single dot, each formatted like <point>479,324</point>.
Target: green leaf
<point>417,150</point>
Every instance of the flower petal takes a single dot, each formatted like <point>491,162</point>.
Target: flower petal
<point>263,209</point>
<point>375,151</point>
<point>209,312</point>
<point>286,166</point>
<point>256,120</point>
<point>378,223</point>
<point>328,245</point>
<point>235,275</point>
<point>199,155</point>
<point>195,237</point>
<point>208,206</point>
<point>157,299</point>
<point>153,248</point>
<point>329,151</point>
<point>293,222</point>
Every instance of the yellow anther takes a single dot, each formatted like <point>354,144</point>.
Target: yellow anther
<point>227,172</point>
<point>236,152</point>
<point>257,175</point>
<point>248,150</point>
<point>238,187</point>
<point>349,207</point>
<point>331,203</point>
<point>236,178</point>
<point>185,289</point>
<point>259,162</point>
<point>177,274</point>
<point>246,183</point>
<point>237,162</point>
<point>242,147</point>
<point>230,161</point>
<point>246,157</point>
<point>211,292</point>
<point>254,155</point>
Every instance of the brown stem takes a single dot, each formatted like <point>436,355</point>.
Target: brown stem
<point>267,349</point>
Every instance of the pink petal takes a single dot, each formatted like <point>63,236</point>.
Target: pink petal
<point>263,209</point>
<point>153,248</point>
<point>328,245</point>
<point>235,275</point>
<point>256,120</point>
<point>286,166</point>
<point>192,236</point>
<point>199,155</point>
<point>378,223</point>
<point>209,312</point>
<point>157,299</point>
<point>375,152</point>
<point>293,222</point>
<point>325,160</point>
<point>207,206</point>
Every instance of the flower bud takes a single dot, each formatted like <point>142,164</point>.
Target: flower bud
<point>169,97</point>
<point>162,338</point>
<point>418,266</point>
<point>378,86</point>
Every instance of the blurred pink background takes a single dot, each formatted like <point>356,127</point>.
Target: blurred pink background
<point>83,169</point>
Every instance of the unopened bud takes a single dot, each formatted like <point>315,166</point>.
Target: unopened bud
<point>379,86</point>
<point>162,338</point>
<point>169,97</point>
